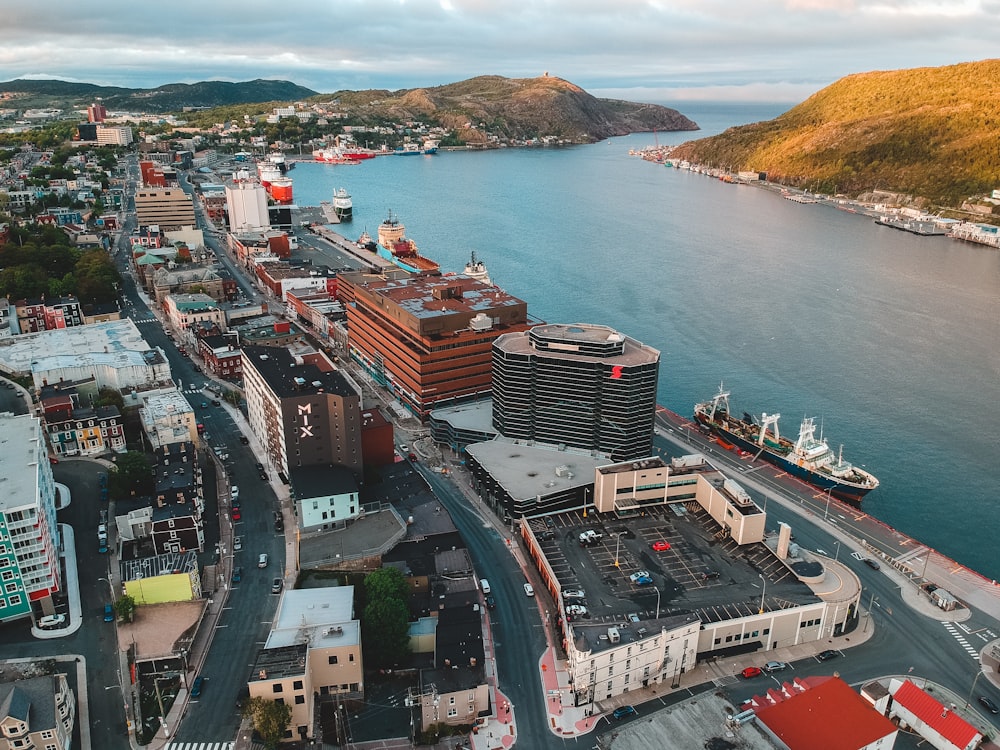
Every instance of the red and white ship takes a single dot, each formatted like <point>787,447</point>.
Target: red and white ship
<point>333,156</point>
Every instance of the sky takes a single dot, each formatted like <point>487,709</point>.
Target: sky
<point>657,51</point>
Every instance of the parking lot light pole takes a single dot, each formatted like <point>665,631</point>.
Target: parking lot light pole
<point>762,592</point>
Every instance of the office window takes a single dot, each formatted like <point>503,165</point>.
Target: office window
<point>331,659</point>
<point>300,699</point>
<point>277,687</point>
<point>297,685</point>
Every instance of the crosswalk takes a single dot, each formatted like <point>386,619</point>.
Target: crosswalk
<point>199,746</point>
<point>958,633</point>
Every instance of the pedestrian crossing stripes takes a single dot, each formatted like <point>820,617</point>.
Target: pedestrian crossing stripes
<point>957,634</point>
<point>199,746</point>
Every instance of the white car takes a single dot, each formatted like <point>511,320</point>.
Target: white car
<point>51,621</point>
<point>237,544</point>
<point>528,590</point>
<point>641,576</point>
<point>234,492</point>
<point>573,594</point>
<point>576,610</point>
<point>262,560</point>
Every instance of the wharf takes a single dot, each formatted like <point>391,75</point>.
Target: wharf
<point>354,250</point>
<point>922,227</point>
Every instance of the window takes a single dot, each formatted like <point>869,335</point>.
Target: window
<point>277,687</point>
<point>331,659</point>
<point>297,685</point>
<point>300,699</point>
<point>280,701</point>
<point>452,712</point>
<point>451,701</point>
<point>350,657</point>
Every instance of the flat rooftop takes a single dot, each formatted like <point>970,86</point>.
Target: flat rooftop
<point>288,379</point>
<point>581,342</point>
<point>116,343</point>
<point>704,572</point>
<point>527,469</point>
<point>21,454</point>
<point>317,617</point>
<point>433,296</point>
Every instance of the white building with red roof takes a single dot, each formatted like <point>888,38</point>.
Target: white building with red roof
<point>938,724</point>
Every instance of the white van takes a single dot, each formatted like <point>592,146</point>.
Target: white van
<point>484,585</point>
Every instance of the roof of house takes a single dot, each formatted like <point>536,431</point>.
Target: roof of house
<point>931,712</point>
<point>827,708</point>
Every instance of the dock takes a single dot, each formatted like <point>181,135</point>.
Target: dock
<point>922,227</point>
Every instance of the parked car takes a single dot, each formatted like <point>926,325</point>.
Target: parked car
<point>262,560</point>
<point>244,439</point>
<point>234,492</point>
<point>204,404</point>
<point>51,621</point>
<point>988,704</point>
<point>276,585</point>
<point>873,564</point>
<point>576,610</point>
<point>774,666</point>
<point>491,602</point>
<point>109,613</point>
<point>545,536</point>
<point>661,546</point>
<point>237,574</point>
<point>215,402</point>
<point>750,672</point>
<point>236,513</point>
<point>827,655</point>
<point>622,711</point>
<point>528,590</point>
<point>549,522</point>
<point>573,594</point>
<point>641,578</point>
<point>196,686</point>
<point>237,544</point>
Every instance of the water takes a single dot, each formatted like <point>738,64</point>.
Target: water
<point>890,340</point>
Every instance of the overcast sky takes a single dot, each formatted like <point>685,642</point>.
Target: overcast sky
<point>657,51</point>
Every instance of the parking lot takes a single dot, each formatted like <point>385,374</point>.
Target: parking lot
<point>695,565</point>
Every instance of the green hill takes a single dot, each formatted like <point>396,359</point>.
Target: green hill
<point>927,132</point>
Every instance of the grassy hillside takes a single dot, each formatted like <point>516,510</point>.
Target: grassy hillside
<point>929,132</point>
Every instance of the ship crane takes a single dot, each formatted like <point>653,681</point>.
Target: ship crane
<point>768,420</point>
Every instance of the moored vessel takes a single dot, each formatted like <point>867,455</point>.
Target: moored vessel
<point>333,156</point>
<point>477,270</point>
<point>809,458</point>
<point>394,245</point>
<point>343,207</point>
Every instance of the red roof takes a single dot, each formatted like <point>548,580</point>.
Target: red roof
<point>828,715</point>
<point>931,712</point>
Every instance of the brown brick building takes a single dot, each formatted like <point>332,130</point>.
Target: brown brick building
<point>428,338</point>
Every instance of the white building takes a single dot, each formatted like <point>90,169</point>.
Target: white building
<point>29,538</point>
<point>113,353</point>
<point>167,418</point>
<point>247,202</point>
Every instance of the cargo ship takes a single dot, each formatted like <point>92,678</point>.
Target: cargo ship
<point>393,245</point>
<point>333,156</point>
<point>809,458</point>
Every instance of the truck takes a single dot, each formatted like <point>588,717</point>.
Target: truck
<point>591,537</point>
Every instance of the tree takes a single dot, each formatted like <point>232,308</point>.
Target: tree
<point>125,608</point>
<point>270,719</point>
<point>134,475</point>
<point>386,618</point>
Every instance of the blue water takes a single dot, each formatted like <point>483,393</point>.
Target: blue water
<point>890,340</point>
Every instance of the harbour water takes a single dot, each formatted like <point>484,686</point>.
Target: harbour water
<point>890,340</point>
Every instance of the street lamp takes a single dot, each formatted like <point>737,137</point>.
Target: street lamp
<point>973,688</point>
<point>762,592</point>
<point>618,542</point>
<point>837,554</point>
<point>868,615</point>
<point>826,512</point>
<point>657,604</point>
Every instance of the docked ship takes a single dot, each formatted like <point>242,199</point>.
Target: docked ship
<point>278,159</point>
<point>410,148</point>
<point>280,189</point>
<point>343,207</point>
<point>809,458</point>
<point>268,172</point>
<point>333,156</point>
<point>366,242</point>
<point>393,245</point>
<point>476,269</point>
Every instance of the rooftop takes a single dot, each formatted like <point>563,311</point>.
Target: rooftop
<point>316,617</point>
<point>158,565</point>
<point>22,453</point>
<point>581,341</point>
<point>288,379</point>
<point>700,575</point>
<point>278,663</point>
<point>527,469</point>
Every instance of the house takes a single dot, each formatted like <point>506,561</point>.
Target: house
<point>37,713</point>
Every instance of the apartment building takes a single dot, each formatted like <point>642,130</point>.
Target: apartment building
<point>169,208</point>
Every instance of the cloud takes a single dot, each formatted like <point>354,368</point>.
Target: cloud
<point>717,47</point>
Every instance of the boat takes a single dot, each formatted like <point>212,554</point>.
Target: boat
<point>366,242</point>
<point>429,146</point>
<point>809,458</point>
<point>342,205</point>
<point>476,269</point>
<point>393,245</point>
<point>358,153</point>
<point>332,156</point>
<point>280,188</point>
<point>278,159</point>
<point>268,172</point>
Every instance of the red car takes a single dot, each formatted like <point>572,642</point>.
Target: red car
<point>236,514</point>
<point>750,672</point>
<point>661,546</point>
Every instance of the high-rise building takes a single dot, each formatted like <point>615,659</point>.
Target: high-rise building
<point>169,208</point>
<point>115,135</point>
<point>304,415</point>
<point>96,113</point>
<point>582,385</point>
<point>29,539</point>
<point>427,338</point>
